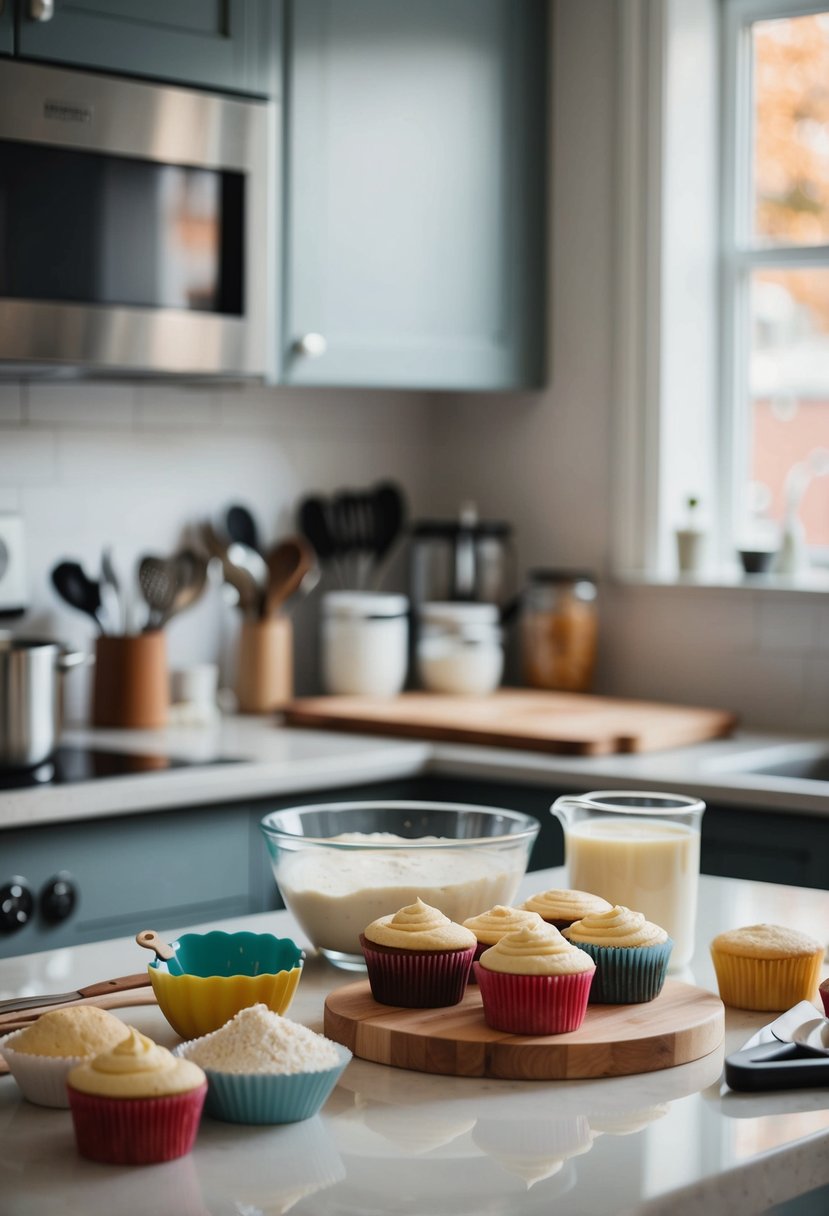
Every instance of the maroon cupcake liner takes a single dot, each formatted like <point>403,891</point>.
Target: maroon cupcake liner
<point>534,1004</point>
<point>416,979</point>
<point>479,949</point>
<point>136,1131</point>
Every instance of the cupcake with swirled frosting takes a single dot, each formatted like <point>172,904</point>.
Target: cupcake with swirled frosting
<point>489,927</point>
<point>561,908</point>
<point>631,955</point>
<point>534,982</point>
<point>136,1104</point>
<point>417,957</point>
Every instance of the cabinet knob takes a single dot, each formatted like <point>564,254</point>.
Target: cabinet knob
<point>16,905</point>
<point>41,10</point>
<point>311,346</point>
<point>58,898</point>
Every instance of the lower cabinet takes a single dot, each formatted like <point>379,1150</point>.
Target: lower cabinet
<point>66,884</point>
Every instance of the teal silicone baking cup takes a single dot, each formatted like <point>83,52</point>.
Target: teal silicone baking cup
<point>627,975</point>
<point>268,1097</point>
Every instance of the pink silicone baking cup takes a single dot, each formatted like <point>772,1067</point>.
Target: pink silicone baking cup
<point>534,1004</point>
<point>136,1131</point>
<point>417,979</point>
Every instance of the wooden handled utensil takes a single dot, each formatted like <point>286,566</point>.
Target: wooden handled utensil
<point>150,940</point>
<point>288,564</point>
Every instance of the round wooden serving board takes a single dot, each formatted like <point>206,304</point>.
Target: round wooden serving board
<point>682,1024</point>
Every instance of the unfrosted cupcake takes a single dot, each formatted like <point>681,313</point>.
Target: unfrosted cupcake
<point>41,1056</point>
<point>136,1104</point>
<point>766,967</point>
<point>491,926</point>
<point>534,982</point>
<point>561,908</point>
<point>417,957</point>
<point>630,953</point>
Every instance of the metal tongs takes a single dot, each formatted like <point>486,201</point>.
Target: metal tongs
<point>790,1053</point>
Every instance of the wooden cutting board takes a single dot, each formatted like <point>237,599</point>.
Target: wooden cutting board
<point>573,723</point>
<point>684,1023</point>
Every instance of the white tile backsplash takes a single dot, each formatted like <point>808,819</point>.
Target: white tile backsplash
<point>163,407</point>
<point>136,466</point>
<point>27,457</point>
<point>108,406</point>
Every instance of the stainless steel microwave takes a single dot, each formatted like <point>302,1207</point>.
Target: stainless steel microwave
<point>137,227</point>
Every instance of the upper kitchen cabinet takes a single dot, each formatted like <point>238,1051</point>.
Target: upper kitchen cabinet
<point>228,45</point>
<point>6,28</point>
<point>416,193</point>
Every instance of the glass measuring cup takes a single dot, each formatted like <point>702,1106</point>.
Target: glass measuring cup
<point>639,849</point>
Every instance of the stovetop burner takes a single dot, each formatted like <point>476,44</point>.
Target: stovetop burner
<point>69,765</point>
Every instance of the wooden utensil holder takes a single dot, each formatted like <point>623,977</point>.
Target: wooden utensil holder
<point>131,688</point>
<point>265,675</point>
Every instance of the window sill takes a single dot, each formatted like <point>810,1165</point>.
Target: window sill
<point>810,582</point>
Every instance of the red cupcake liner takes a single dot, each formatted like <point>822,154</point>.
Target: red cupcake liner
<point>136,1131</point>
<point>534,1004</point>
<point>479,949</point>
<point>417,979</point>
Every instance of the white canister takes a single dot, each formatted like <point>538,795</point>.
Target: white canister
<point>365,643</point>
<point>460,648</point>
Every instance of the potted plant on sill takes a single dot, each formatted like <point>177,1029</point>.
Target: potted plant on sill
<point>690,540</point>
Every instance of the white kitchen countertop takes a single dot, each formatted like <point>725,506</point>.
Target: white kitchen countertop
<point>278,760</point>
<point>392,1142</point>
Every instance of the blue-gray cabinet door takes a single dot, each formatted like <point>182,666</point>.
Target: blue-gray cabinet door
<point>6,27</point>
<point>415,190</point>
<point>222,44</point>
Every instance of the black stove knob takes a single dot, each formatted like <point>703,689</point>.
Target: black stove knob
<point>17,903</point>
<point>58,898</point>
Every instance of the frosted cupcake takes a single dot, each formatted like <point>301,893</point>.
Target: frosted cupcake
<point>136,1104</point>
<point>534,982</point>
<point>417,957</point>
<point>766,967</point>
<point>630,953</point>
<point>561,908</point>
<point>491,926</point>
<point>41,1056</point>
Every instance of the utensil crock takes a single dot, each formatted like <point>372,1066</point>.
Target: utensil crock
<point>131,687</point>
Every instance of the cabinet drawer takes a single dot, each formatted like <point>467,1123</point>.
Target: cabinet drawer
<point>147,871</point>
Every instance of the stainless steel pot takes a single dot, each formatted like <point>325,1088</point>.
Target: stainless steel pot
<point>30,702</point>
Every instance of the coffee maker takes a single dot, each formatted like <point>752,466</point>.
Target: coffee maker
<point>467,559</point>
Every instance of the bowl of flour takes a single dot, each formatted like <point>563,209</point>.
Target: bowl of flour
<point>340,866</point>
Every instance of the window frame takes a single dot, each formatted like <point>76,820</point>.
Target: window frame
<point>671,81</point>
<point>738,257</point>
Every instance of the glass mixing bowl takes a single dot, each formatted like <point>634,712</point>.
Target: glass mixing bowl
<point>339,866</point>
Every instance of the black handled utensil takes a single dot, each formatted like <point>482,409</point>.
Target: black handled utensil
<point>78,590</point>
<point>241,527</point>
<point>797,1056</point>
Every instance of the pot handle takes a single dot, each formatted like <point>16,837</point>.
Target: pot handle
<point>67,659</point>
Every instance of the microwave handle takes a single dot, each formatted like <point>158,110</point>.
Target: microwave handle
<point>41,10</point>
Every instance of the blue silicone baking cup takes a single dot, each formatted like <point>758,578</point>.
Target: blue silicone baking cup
<point>627,975</point>
<point>269,1097</point>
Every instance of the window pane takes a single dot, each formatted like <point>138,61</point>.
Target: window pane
<point>789,392</point>
<point>791,130</point>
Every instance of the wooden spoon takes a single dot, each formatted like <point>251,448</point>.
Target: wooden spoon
<point>288,564</point>
<point>149,939</point>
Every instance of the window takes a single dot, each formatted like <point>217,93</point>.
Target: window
<point>775,272</point>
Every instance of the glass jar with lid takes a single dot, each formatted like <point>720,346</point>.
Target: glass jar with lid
<point>559,628</point>
<point>459,648</point>
<point>365,648</point>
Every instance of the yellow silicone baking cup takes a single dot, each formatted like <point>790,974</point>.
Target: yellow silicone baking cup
<point>766,984</point>
<point>195,1004</point>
